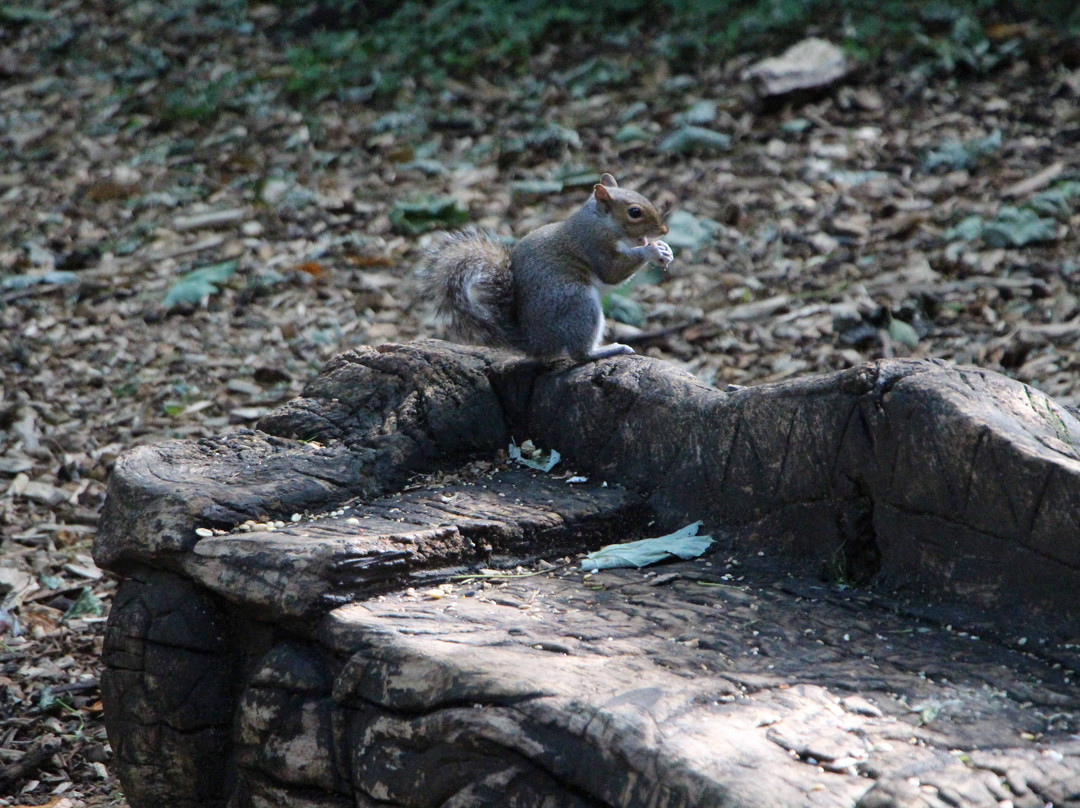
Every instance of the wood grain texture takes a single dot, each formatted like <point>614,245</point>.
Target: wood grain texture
<point>337,661</point>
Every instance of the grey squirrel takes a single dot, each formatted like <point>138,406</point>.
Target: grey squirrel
<point>541,298</point>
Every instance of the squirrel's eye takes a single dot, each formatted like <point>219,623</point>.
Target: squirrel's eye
<point>634,212</point>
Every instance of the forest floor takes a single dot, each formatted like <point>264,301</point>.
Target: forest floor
<point>183,243</point>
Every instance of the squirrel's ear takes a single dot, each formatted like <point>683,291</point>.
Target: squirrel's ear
<point>601,193</point>
<point>609,181</point>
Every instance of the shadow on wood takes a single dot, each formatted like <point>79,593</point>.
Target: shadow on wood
<point>281,639</point>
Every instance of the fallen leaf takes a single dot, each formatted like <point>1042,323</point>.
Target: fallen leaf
<point>1017,227</point>
<point>414,218</point>
<point>683,543</point>
<point>955,155</point>
<point>903,333</point>
<point>195,287</point>
<point>312,268</point>
<point>690,139</point>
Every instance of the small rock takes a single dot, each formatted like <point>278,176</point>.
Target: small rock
<point>867,99</point>
<point>823,243</point>
<point>860,706</point>
<point>126,175</point>
<point>243,386</point>
<point>248,413</point>
<point>15,465</point>
<point>213,218</point>
<point>811,64</point>
<point>43,493</point>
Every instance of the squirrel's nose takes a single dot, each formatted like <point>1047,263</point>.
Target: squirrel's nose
<point>663,230</point>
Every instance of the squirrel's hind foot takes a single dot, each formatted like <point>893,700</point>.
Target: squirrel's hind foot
<point>606,351</point>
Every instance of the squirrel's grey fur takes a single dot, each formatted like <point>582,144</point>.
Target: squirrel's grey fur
<point>469,277</point>
<point>541,298</point>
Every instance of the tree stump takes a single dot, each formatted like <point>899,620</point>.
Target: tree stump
<point>887,616</point>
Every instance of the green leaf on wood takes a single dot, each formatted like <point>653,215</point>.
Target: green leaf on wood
<point>631,133</point>
<point>57,277</point>
<point>1059,201</point>
<point>684,544</point>
<point>699,114</point>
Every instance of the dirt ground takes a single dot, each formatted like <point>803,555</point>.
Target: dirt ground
<point>907,210</point>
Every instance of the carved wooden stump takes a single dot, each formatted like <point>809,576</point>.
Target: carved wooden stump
<point>321,664</point>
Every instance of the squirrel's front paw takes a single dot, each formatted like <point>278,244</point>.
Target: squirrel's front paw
<point>661,253</point>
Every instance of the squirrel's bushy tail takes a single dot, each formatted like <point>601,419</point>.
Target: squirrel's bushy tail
<point>468,277</point>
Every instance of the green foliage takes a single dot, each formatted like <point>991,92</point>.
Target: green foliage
<point>954,155</point>
<point>1060,201</point>
<point>623,309</point>
<point>447,38</point>
<point>327,64</point>
<point>690,139</point>
<point>187,104</point>
<point>20,15</point>
<point>903,333</point>
<point>1017,227</point>
<point>200,102</point>
<point>85,604</point>
<point>200,284</point>
<point>371,54</point>
<point>419,216</point>
<point>1012,227</point>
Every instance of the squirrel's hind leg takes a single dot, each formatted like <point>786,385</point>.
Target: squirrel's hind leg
<point>585,346</point>
<point>567,319</point>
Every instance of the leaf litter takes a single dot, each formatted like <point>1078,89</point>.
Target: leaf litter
<point>812,236</point>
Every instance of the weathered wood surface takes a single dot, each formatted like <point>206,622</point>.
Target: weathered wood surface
<point>364,549</point>
<point>234,676</point>
<point>700,684</point>
<point>918,475</point>
<point>684,689</point>
<point>368,422</point>
<point>921,476</point>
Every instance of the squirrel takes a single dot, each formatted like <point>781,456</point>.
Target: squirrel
<point>542,297</point>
